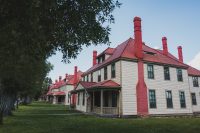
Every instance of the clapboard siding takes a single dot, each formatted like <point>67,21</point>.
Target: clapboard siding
<point>160,86</point>
<point>117,72</point>
<point>129,81</point>
<point>80,106</point>
<point>196,90</point>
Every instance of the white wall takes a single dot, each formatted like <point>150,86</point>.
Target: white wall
<point>117,72</point>
<point>160,86</point>
<point>196,90</point>
<point>80,106</point>
<point>128,84</point>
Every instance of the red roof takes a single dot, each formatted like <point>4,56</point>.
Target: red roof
<point>49,93</point>
<point>108,51</point>
<point>59,93</point>
<point>127,50</point>
<point>70,81</point>
<point>104,84</point>
<point>193,71</point>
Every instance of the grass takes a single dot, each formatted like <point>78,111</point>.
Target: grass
<point>43,118</point>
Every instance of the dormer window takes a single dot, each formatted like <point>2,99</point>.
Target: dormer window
<point>149,53</point>
<point>101,58</point>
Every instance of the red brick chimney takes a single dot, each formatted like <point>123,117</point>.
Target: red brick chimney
<point>138,37</point>
<point>60,78</point>
<point>165,47</point>
<point>180,54</point>
<point>94,57</point>
<point>141,88</point>
<point>75,75</point>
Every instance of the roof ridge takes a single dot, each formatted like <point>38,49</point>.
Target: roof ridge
<point>126,45</point>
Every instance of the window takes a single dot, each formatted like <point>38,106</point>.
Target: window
<point>152,99</point>
<point>105,73</point>
<point>97,97</point>
<point>150,71</point>
<point>179,74</point>
<point>68,97</point>
<point>103,58</point>
<point>87,78</point>
<point>166,73</point>
<point>83,98</point>
<point>114,99</point>
<point>194,101</point>
<point>113,70</point>
<point>99,75</point>
<point>99,60</point>
<point>78,98</point>
<point>195,82</point>
<point>91,77</point>
<point>169,99</point>
<point>182,99</point>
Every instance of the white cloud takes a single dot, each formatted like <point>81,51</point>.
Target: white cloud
<point>195,62</point>
<point>156,47</point>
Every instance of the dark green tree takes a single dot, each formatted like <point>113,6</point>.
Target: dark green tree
<point>32,31</point>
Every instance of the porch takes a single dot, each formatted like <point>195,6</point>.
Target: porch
<point>103,102</point>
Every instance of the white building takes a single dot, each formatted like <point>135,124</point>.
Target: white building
<point>59,92</point>
<point>134,79</point>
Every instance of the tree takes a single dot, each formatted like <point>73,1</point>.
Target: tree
<point>31,31</point>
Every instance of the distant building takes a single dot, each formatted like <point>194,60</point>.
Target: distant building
<point>135,79</point>
<point>59,92</point>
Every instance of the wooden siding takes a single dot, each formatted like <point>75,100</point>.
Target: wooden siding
<point>80,106</point>
<point>196,90</point>
<point>129,82</point>
<point>160,86</point>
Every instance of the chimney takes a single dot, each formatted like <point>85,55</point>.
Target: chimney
<point>138,37</point>
<point>94,57</point>
<point>66,75</point>
<point>165,47</point>
<point>180,54</point>
<point>56,81</point>
<point>75,75</point>
<point>60,78</point>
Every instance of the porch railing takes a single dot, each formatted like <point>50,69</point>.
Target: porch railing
<point>106,110</point>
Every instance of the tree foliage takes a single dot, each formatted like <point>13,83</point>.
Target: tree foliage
<point>31,31</point>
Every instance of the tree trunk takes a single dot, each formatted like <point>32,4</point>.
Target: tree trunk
<point>1,117</point>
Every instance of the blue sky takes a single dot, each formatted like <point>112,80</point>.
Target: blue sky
<point>178,20</point>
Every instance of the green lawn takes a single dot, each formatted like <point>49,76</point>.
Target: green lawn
<point>45,118</point>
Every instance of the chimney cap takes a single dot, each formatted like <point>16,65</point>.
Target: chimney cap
<point>179,47</point>
<point>137,19</point>
<point>164,38</point>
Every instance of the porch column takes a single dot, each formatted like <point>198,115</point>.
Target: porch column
<point>92,102</point>
<point>101,101</point>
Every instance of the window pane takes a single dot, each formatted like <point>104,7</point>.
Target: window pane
<point>182,99</point>
<point>113,70</point>
<point>169,99</point>
<point>150,71</point>
<point>194,101</point>
<point>152,99</point>
<point>166,73</point>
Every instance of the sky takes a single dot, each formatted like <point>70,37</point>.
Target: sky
<point>178,20</point>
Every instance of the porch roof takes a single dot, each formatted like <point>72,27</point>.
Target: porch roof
<point>107,84</point>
